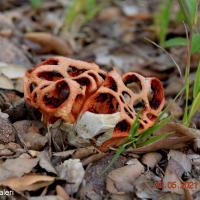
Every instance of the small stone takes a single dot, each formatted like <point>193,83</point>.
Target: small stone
<point>7,132</point>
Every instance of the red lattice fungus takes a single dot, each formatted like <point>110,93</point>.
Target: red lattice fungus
<point>63,88</point>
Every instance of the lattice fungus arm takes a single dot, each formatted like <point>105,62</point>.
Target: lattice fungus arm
<point>63,88</point>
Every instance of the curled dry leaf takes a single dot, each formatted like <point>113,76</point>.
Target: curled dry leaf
<point>62,193</point>
<point>181,158</point>
<point>12,54</point>
<point>94,182</point>
<point>84,152</point>
<point>12,71</point>
<point>45,162</point>
<point>121,180</point>
<point>49,43</point>
<point>93,158</point>
<point>145,186</point>
<point>29,131</point>
<point>151,159</point>
<point>6,83</point>
<point>73,172</point>
<point>29,182</point>
<point>172,174</point>
<point>16,167</point>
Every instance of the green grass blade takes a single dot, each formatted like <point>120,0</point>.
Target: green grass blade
<point>194,108</point>
<point>187,88</point>
<point>134,127</point>
<point>189,9</point>
<point>195,43</point>
<point>119,151</point>
<point>177,41</point>
<point>196,88</point>
<point>163,21</point>
<point>154,139</point>
<point>154,128</point>
<point>36,3</point>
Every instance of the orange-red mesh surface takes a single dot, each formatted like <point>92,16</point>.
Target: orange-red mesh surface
<point>63,88</point>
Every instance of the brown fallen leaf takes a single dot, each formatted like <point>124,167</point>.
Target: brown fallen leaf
<point>30,182</point>
<point>94,182</point>
<point>172,176</point>
<point>29,131</point>
<point>45,162</point>
<point>181,158</point>
<point>93,158</point>
<point>12,54</point>
<point>145,186</point>
<point>121,180</point>
<point>16,167</point>
<point>73,172</point>
<point>151,159</point>
<point>49,43</point>
<point>84,152</point>
<point>62,193</point>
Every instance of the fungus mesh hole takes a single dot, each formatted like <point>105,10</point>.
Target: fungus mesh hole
<point>105,103</point>
<point>139,105</point>
<point>32,86</point>
<point>50,61</point>
<point>58,96</point>
<point>122,126</point>
<point>155,96</point>
<point>74,71</point>
<point>110,83</point>
<point>133,83</point>
<point>50,76</point>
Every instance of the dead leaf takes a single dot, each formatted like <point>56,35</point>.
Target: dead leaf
<point>167,143</point>
<point>61,192</point>
<point>145,186</point>
<point>33,140</point>
<point>12,54</point>
<point>181,158</point>
<point>30,182</point>
<point>45,163</point>
<point>49,197</point>
<point>151,159</point>
<point>93,158</point>
<point>49,43</point>
<point>12,71</point>
<point>171,177</point>
<point>73,172</point>
<point>84,152</point>
<point>16,167</point>
<point>6,83</point>
<point>94,182</point>
<point>121,180</point>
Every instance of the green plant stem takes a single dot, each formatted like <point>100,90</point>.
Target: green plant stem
<point>187,77</point>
